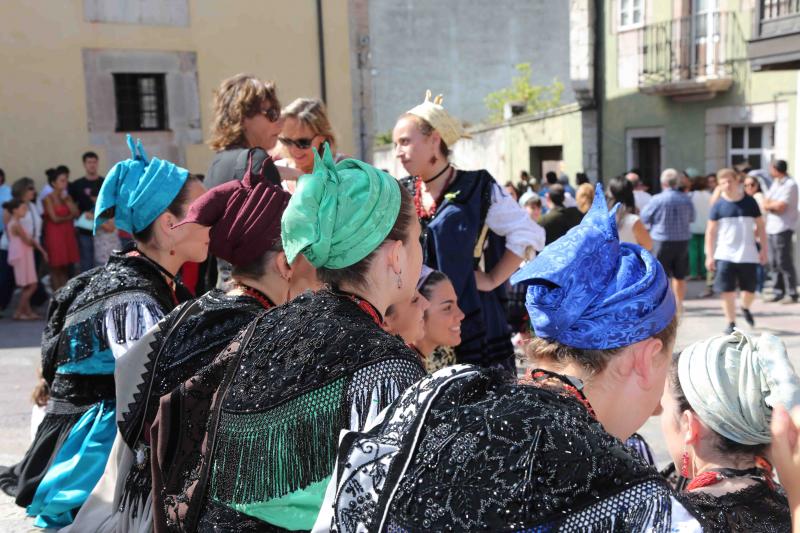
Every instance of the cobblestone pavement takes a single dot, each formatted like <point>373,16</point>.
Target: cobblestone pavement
<point>19,358</point>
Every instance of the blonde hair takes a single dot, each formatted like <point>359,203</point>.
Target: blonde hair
<point>237,98</point>
<point>584,197</point>
<point>311,113</point>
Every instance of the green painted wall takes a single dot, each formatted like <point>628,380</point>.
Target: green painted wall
<point>684,122</point>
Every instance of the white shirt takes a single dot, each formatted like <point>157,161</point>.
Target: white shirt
<point>507,219</point>
<point>783,190</point>
<point>641,199</point>
<point>701,200</point>
<point>626,229</point>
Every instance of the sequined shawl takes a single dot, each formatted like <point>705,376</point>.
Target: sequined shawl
<point>75,331</point>
<point>755,509</point>
<point>296,377</point>
<point>182,343</point>
<point>468,450</point>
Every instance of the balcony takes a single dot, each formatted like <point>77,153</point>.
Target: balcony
<point>776,35</point>
<point>690,58</point>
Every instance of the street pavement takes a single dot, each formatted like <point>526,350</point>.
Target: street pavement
<point>19,360</point>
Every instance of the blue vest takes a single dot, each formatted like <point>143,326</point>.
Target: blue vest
<point>448,242</point>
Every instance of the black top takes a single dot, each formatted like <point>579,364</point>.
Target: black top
<point>84,191</point>
<point>558,221</point>
<point>754,509</point>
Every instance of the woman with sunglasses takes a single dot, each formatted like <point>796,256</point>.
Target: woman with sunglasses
<point>306,127</point>
<point>247,114</point>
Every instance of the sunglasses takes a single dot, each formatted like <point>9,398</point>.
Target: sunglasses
<point>302,144</point>
<point>749,184</point>
<point>272,114</point>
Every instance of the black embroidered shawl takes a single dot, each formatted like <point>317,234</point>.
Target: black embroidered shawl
<point>755,509</point>
<point>305,371</point>
<point>470,450</point>
<point>75,328</point>
<point>182,343</point>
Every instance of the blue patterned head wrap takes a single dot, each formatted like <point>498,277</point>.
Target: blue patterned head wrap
<point>589,291</point>
<point>138,189</point>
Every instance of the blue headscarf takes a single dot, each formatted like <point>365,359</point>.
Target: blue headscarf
<point>138,189</point>
<point>589,291</point>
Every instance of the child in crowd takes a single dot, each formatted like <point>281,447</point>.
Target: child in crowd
<point>21,259</point>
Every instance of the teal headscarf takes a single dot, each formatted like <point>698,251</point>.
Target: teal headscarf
<point>138,189</point>
<point>733,381</point>
<point>340,212</point>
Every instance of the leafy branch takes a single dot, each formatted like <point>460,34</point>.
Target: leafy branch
<point>534,98</point>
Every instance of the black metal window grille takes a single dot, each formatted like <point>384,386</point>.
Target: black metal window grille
<point>141,102</point>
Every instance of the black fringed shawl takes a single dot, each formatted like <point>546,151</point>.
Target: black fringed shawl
<point>471,450</point>
<point>309,369</point>
<point>182,343</point>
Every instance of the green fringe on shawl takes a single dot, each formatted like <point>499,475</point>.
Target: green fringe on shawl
<point>266,455</point>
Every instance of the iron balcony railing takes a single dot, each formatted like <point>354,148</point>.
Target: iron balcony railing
<point>698,47</point>
<point>772,9</point>
<point>776,17</point>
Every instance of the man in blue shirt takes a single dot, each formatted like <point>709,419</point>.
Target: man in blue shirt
<point>667,216</point>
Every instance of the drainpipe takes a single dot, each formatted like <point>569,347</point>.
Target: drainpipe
<point>599,79</point>
<point>321,40</point>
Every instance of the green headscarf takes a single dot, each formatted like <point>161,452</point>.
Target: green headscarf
<point>340,212</point>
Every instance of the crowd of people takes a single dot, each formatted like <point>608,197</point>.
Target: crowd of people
<point>734,228</point>
<point>342,358</point>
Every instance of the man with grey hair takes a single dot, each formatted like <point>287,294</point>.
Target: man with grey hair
<point>640,195</point>
<point>668,216</point>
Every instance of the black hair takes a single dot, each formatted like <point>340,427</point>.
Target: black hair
<point>581,178</point>
<point>53,173</point>
<point>556,194</point>
<point>177,208</point>
<point>781,166</point>
<point>2,176</point>
<point>257,268</point>
<point>621,190</point>
<point>89,155</point>
<point>724,445</point>
<point>551,177</point>
<point>12,204</point>
<point>433,279</point>
<point>356,274</point>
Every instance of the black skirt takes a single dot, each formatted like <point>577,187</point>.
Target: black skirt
<point>21,480</point>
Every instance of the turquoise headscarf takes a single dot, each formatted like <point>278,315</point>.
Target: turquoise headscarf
<point>138,189</point>
<point>733,381</point>
<point>340,212</point>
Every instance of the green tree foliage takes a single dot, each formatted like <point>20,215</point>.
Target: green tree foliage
<point>536,98</point>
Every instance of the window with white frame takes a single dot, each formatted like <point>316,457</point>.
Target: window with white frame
<point>751,144</point>
<point>631,14</point>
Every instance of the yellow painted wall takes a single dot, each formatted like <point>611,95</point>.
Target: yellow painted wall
<point>43,113</point>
